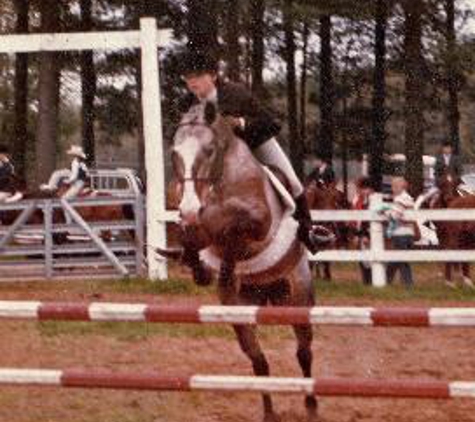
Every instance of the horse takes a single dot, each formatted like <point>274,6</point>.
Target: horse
<point>233,216</point>
<point>328,197</point>
<point>453,235</point>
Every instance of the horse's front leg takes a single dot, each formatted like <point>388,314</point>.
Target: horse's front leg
<point>249,344</point>
<point>228,292</point>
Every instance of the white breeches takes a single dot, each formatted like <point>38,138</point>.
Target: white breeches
<point>74,190</point>
<point>271,153</point>
<point>4,196</point>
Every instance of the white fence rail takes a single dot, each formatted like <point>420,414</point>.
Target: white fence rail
<point>377,255</point>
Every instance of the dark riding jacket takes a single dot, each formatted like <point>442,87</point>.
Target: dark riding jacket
<point>237,101</point>
<point>326,177</point>
<point>454,166</point>
<point>6,171</point>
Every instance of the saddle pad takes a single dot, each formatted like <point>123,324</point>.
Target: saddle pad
<point>283,242</point>
<point>281,191</point>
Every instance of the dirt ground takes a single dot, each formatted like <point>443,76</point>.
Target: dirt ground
<point>445,354</point>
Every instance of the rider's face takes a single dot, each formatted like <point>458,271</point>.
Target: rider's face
<point>201,84</point>
<point>447,150</point>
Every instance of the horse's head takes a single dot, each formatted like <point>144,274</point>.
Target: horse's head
<point>447,184</point>
<point>199,149</point>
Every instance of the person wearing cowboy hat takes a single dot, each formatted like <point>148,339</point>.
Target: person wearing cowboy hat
<point>79,172</point>
<point>253,123</point>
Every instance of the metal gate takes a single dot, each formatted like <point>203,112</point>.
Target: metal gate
<point>38,243</point>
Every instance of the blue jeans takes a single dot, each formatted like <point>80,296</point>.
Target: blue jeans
<point>401,243</point>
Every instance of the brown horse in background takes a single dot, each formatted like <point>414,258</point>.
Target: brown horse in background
<point>328,197</point>
<point>453,235</point>
<point>243,231</point>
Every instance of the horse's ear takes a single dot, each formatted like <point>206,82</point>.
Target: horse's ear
<point>210,113</point>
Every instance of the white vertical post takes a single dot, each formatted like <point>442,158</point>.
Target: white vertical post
<point>378,269</point>
<point>154,155</point>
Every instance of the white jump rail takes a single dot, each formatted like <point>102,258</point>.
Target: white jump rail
<point>157,381</point>
<point>215,314</point>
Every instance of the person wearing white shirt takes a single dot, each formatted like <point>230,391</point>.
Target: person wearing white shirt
<point>400,231</point>
<point>79,172</point>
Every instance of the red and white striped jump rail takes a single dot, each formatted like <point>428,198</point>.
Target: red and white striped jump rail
<point>320,315</point>
<point>74,378</point>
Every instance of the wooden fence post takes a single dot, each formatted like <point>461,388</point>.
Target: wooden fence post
<point>378,268</point>
<point>154,154</point>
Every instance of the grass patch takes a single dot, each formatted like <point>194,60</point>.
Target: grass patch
<point>137,331</point>
<point>439,293</point>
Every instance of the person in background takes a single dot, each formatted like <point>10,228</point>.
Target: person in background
<point>399,231</point>
<point>447,163</point>
<point>322,173</point>
<point>360,201</point>
<point>6,172</point>
<point>79,172</point>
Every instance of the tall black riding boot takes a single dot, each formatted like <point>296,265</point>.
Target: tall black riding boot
<point>304,232</point>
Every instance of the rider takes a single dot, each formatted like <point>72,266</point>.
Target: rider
<point>253,123</point>
<point>6,171</point>
<point>322,173</point>
<point>79,172</point>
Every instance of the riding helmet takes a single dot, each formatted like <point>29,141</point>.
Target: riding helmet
<point>196,62</point>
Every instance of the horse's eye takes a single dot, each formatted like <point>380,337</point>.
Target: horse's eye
<point>208,151</point>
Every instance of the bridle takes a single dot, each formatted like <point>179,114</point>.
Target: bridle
<point>212,182</point>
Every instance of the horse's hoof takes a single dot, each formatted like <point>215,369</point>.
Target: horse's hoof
<point>312,415</point>
<point>311,405</point>
<point>271,417</point>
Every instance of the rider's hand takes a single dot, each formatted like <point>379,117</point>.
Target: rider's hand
<point>236,122</point>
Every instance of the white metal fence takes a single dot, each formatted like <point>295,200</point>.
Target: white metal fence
<point>377,255</point>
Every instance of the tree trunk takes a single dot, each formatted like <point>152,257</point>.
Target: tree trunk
<point>88,86</point>
<point>231,34</point>
<point>376,147</point>
<point>202,26</point>
<point>326,135</point>
<point>292,115</point>
<point>257,11</point>
<point>414,118</point>
<point>303,84</point>
<point>452,75</point>
<point>20,145</point>
<point>48,94</point>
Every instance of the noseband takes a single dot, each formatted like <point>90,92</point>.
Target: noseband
<point>211,181</point>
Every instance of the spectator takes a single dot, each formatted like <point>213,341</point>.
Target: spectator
<point>361,202</point>
<point>6,172</point>
<point>322,173</point>
<point>400,232</point>
<point>447,163</point>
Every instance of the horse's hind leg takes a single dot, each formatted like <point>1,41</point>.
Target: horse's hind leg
<point>249,344</point>
<point>304,336</point>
